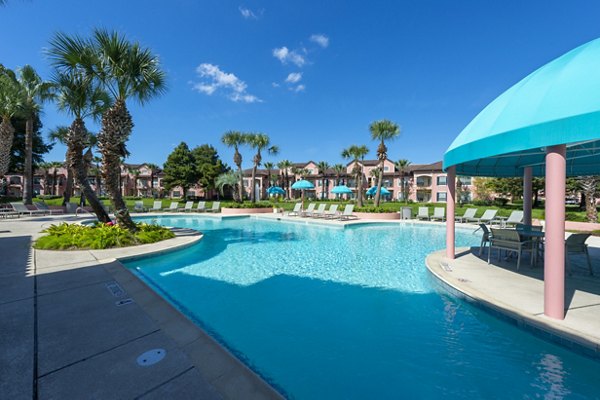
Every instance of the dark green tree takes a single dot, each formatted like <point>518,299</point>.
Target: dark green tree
<point>208,165</point>
<point>180,169</point>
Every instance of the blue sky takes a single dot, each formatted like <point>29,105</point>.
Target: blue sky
<point>311,74</point>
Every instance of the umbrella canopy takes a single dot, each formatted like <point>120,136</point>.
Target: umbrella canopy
<point>341,189</point>
<point>373,190</point>
<point>302,184</point>
<point>275,190</point>
<point>557,104</point>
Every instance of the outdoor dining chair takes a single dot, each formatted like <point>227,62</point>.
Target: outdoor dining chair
<point>509,240</point>
<point>576,244</point>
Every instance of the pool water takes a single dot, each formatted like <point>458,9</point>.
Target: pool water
<point>332,313</point>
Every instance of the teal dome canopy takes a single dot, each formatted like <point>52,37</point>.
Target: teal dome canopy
<point>557,104</point>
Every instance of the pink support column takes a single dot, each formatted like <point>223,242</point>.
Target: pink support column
<point>450,198</point>
<point>554,255</point>
<point>527,194</point>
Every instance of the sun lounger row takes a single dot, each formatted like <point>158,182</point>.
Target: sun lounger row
<point>41,208</point>
<point>313,211</point>
<point>189,207</point>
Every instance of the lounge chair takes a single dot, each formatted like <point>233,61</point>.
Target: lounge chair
<point>201,206</point>
<point>347,214</point>
<point>309,210</point>
<point>423,213</point>
<point>319,212</point>
<point>332,212</point>
<point>296,210</point>
<point>188,206</point>
<point>516,217</point>
<point>485,238</point>
<point>139,206</point>
<point>469,214</point>
<point>173,207</point>
<point>439,214</point>
<point>157,206</point>
<point>216,207</point>
<point>44,207</point>
<point>487,217</point>
<point>22,209</point>
<point>576,244</point>
<point>509,240</point>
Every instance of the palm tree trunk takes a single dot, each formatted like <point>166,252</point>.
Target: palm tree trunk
<point>69,184</point>
<point>28,170</point>
<point>54,176</point>
<point>116,127</point>
<point>252,183</point>
<point>241,185</point>
<point>379,181</point>
<point>77,164</point>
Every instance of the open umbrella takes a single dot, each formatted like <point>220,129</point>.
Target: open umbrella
<point>341,189</point>
<point>373,190</point>
<point>274,190</point>
<point>302,185</point>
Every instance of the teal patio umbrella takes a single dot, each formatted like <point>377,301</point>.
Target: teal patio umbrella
<point>373,190</point>
<point>275,190</point>
<point>341,189</point>
<point>302,185</point>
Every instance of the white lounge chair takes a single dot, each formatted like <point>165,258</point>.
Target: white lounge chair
<point>423,213</point>
<point>296,210</point>
<point>157,206</point>
<point>347,214</point>
<point>201,206</point>
<point>44,207</point>
<point>216,207</point>
<point>332,212</point>
<point>22,209</point>
<point>469,214</point>
<point>487,217</point>
<point>439,214</point>
<point>139,206</point>
<point>188,206</point>
<point>319,212</point>
<point>516,217</point>
<point>309,210</point>
<point>173,207</point>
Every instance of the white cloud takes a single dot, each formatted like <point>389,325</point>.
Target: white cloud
<point>275,84</point>
<point>319,39</point>
<point>286,55</point>
<point>299,88</point>
<point>215,78</point>
<point>294,77</point>
<point>247,13</point>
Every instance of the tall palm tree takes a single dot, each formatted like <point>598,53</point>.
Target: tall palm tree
<point>153,170</point>
<point>55,165</point>
<point>322,167</point>
<point>80,97</point>
<point>229,179</point>
<point>11,102</point>
<point>589,187</point>
<point>236,139</point>
<point>45,168</point>
<point>339,170</point>
<point>60,134</point>
<point>36,91</point>
<point>269,167</point>
<point>357,154</point>
<point>402,167</point>
<point>285,165</point>
<point>382,130</point>
<point>259,141</point>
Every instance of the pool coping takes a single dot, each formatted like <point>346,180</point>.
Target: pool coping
<point>539,326</point>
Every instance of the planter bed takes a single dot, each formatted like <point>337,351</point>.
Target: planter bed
<point>233,211</point>
<point>381,216</point>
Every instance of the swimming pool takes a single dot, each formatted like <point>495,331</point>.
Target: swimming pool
<point>328,312</point>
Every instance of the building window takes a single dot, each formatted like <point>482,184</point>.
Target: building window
<point>441,196</point>
<point>441,180</point>
<point>423,181</point>
<point>465,180</point>
<point>386,168</point>
<point>176,193</point>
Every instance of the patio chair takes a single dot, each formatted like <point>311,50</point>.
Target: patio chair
<point>347,214</point>
<point>509,240</point>
<point>469,214</point>
<point>423,213</point>
<point>309,210</point>
<point>22,209</point>
<point>157,206</point>
<point>487,217</point>
<point>439,214</point>
<point>42,206</point>
<point>216,207</point>
<point>485,238</point>
<point>319,212</point>
<point>575,244</point>
<point>187,208</point>
<point>296,211</point>
<point>331,213</point>
<point>139,207</point>
<point>201,206</point>
<point>173,207</point>
<point>516,217</point>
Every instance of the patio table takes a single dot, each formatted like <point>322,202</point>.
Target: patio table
<point>536,236</point>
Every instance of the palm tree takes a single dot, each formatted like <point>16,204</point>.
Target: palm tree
<point>589,187</point>
<point>153,170</point>
<point>322,168</point>
<point>55,165</point>
<point>80,97</point>
<point>259,141</point>
<point>36,91</point>
<point>269,167</point>
<point>382,130</point>
<point>235,139</point>
<point>402,167</point>
<point>357,154</point>
<point>11,101</point>
<point>60,134</point>
<point>285,165</point>
<point>228,179</point>
<point>96,170</point>
<point>45,168</point>
<point>339,170</point>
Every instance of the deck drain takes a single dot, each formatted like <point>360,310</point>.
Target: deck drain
<point>151,357</point>
<point>463,280</point>
<point>115,289</point>
<point>124,302</point>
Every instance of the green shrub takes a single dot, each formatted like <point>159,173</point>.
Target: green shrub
<point>373,209</point>
<point>100,236</point>
<point>247,204</point>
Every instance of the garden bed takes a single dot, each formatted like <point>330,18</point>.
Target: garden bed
<point>235,211</point>
<point>386,216</point>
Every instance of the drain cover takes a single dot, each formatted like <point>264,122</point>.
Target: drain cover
<point>115,289</point>
<point>151,357</point>
<point>124,302</point>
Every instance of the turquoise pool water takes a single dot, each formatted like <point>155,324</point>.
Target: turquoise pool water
<point>332,313</point>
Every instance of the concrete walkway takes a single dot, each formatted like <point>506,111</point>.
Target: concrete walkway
<point>520,295</point>
<point>76,324</point>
